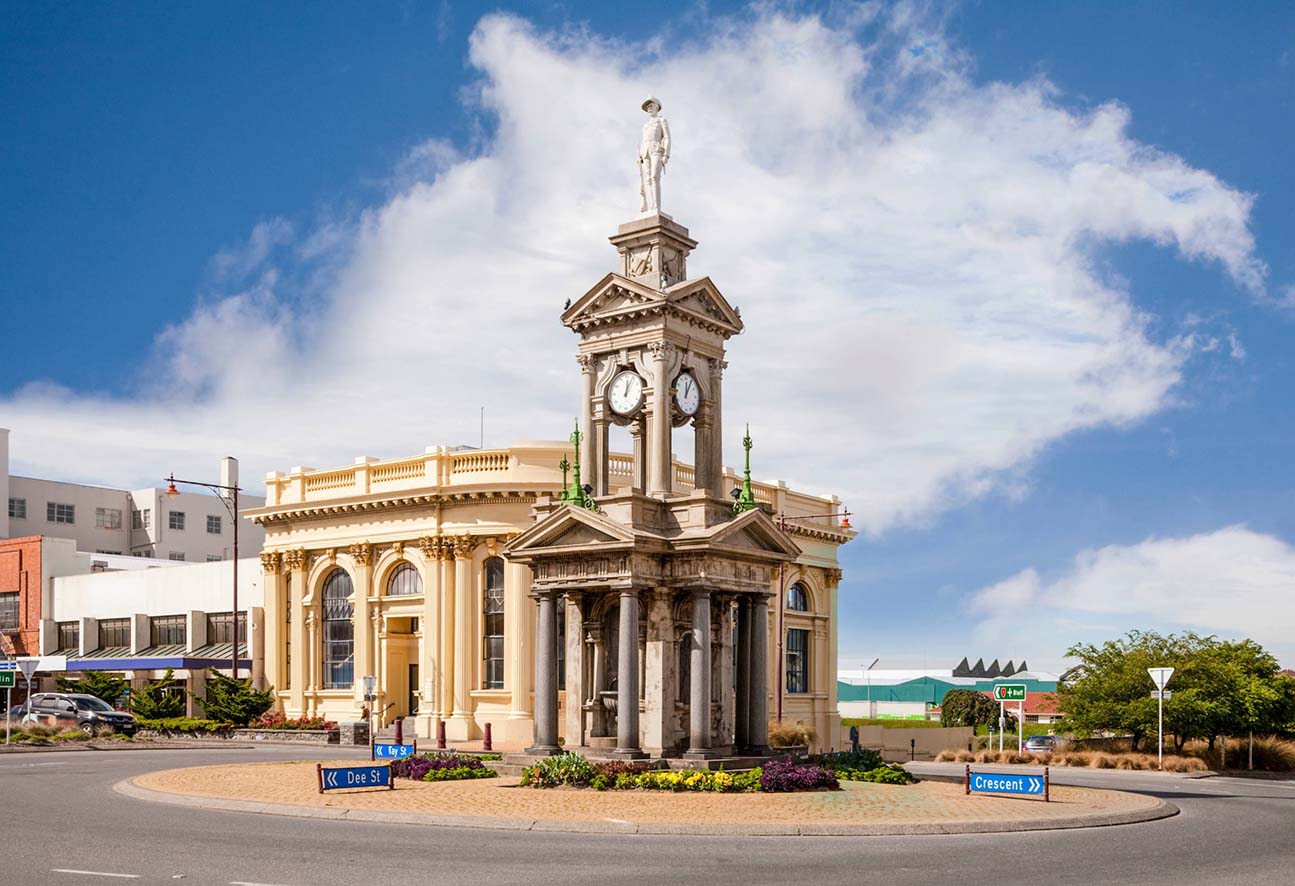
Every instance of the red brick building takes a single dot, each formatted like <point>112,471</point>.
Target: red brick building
<point>20,595</point>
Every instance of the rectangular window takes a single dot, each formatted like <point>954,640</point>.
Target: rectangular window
<point>214,558</point>
<point>175,555</point>
<point>114,633</point>
<point>797,660</point>
<point>9,611</point>
<point>167,630</point>
<point>220,627</point>
<point>102,551</point>
<point>213,524</point>
<point>339,654</point>
<point>141,519</point>
<point>18,508</point>
<point>56,512</point>
<point>69,636</point>
<point>175,519</point>
<point>492,646</point>
<point>107,518</point>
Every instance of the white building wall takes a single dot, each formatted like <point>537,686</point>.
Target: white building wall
<point>194,541</point>
<point>85,501</point>
<point>204,587</point>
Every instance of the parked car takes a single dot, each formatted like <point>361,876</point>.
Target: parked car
<point>1041,744</point>
<point>75,711</point>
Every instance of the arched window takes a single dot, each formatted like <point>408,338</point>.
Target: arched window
<point>405,581</point>
<point>493,622</point>
<point>339,632</point>
<point>797,598</point>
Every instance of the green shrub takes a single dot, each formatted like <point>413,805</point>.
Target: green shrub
<point>234,701</point>
<point>560,769</point>
<point>101,684</point>
<point>72,735</point>
<point>458,773</point>
<point>187,725</point>
<point>892,774</point>
<point>600,783</point>
<point>864,758</point>
<point>159,700</point>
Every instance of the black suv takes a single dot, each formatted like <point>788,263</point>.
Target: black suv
<point>79,712</point>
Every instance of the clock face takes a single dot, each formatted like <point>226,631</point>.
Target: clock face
<point>625,394</point>
<point>687,396</point>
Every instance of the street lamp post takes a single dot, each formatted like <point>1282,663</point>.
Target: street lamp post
<point>867,672</point>
<point>231,505</point>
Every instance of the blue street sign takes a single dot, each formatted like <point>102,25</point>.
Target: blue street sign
<point>997,783</point>
<point>392,751</point>
<point>354,777</point>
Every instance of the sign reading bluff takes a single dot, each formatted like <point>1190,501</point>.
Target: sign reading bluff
<point>1009,692</point>
<point>354,777</point>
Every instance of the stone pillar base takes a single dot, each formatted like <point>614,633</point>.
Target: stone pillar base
<point>543,750</point>
<point>702,754</point>
<point>628,754</point>
<point>460,727</point>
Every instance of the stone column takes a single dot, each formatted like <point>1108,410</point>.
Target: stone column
<point>272,633</point>
<point>380,687</point>
<point>587,366</point>
<point>519,640</point>
<point>429,659</point>
<point>702,449</point>
<point>575,682</point>
<point>759,674</point>
<point>627,677</point>
<point>446,641</point>
<point>638,433</point>
<point>302,648</point>
<point>699,692</point>
<point>659,467</point>
<point>742,715</point>
<point>659,669</point>
<point>599,469</point>
<point>463,636</point>
<point>362,558</point>
<point>310,657</point>
<point>716,435</point>
<point>727,674</point>
<point>546,676</point>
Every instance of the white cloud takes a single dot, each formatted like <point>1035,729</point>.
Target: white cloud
<point>1235,582</point>
<point>917,258</point>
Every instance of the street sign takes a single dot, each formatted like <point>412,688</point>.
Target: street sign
<point>997,783</point>
<point>8,679</point>
<point>28,666</point>
<point>354,777</point>
<point>1160,676</point>
<point>384,751</point>
<point>1162,693</point>
<point>1009,692</point>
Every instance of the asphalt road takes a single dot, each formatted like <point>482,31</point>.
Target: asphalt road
<point>63,823</point>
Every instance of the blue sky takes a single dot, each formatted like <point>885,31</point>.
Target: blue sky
<point>1089,207</point>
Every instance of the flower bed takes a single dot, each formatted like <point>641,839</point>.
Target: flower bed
<point>864,764</point>
<point>573,770</point>
<point>441,767</point>
<point>276,720</point>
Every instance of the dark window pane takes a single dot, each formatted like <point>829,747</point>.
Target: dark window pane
<point>493,641</point>
<point>339,632</point>
<point>797,660</point>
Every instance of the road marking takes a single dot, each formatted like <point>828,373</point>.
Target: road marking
<point>95,873</point>
<point>29,765</point>
<point>249,883</point>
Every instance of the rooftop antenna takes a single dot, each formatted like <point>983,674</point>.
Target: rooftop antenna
<point>483,428</point>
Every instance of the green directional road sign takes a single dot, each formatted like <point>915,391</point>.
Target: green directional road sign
<point>8,679</point>
<point>1009,692</point>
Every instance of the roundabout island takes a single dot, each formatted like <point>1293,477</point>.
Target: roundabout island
<point>290,788</point>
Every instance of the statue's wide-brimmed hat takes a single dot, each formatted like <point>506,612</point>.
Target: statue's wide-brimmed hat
<point>651,100</point>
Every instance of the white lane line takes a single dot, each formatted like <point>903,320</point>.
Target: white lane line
<point>95,873</point>
<point>29,765</point>
<point>249,883</point>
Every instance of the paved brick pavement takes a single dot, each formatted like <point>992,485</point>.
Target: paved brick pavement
<point>926,803</point>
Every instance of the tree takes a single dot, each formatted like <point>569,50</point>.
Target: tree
<point>1219,688</point>
<point>100,684</point>
<point>966,707</point>
<point>159,699</point>
<point>233,701</point>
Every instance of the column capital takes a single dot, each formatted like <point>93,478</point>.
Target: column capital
<point>661,350</point>
<point>717,367</point>
<point>586,362</point>
<point>361,553</point>
<point>463,545</point>
<point>270,561</point>
<point>295,559</point>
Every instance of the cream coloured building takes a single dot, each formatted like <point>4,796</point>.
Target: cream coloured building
<point>494,587</point>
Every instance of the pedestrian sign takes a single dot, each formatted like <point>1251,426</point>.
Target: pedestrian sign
<point>354,777</point>
<point>1009,692</point>
<point>8,679</point>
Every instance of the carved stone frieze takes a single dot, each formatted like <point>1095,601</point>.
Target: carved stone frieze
<point>361,553</point>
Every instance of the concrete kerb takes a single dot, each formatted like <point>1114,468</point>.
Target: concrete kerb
<point>1162,810</point>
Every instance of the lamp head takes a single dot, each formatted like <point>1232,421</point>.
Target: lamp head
<point>735,493</point>
<point>170,486</point>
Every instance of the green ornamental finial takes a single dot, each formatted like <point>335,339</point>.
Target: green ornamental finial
<point>575,493</point>
<point>746,497</point>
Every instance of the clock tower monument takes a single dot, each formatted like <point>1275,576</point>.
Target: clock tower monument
<point>664,581</point>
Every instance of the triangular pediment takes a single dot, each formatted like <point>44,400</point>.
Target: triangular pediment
<point>571,527</point>
<point>703,299</point>
<point>612,296</point>
<point>753,531</point>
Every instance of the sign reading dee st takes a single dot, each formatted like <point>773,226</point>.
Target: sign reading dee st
<point>332,779</point>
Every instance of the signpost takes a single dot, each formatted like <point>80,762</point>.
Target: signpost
<point>354,777</point>
<point>1011,692</point>
<point>8,679</point>
<point>370,681</point>
<point>1002,783</point>
<point>1160,676</point>
<point>385,751</point>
